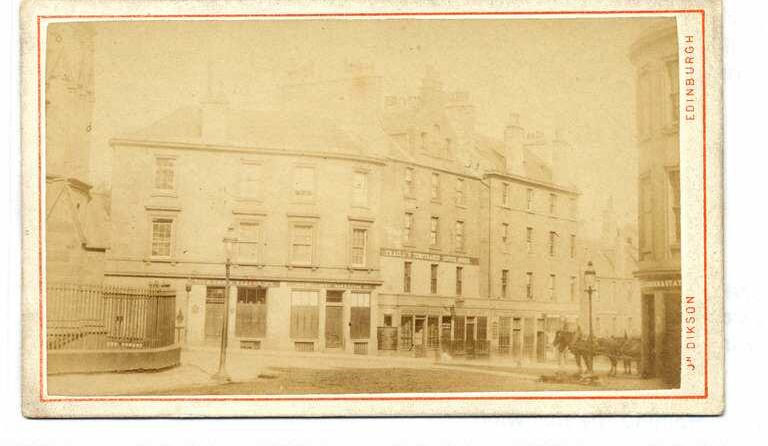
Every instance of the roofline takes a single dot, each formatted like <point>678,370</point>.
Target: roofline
<point>436,168</point>
<point>125,142</point>
<point>532,181</point>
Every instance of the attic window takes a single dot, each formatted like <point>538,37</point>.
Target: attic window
<point>165,173</point>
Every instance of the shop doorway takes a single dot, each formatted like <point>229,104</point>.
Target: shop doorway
<point>671,348</point>
<point>214,312</point>
<point>418,331</point>
<point>648,362</point>
<point>541,346</point>
<point>334,320</point>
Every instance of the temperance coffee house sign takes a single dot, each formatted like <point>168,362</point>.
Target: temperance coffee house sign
<point>428,256</point>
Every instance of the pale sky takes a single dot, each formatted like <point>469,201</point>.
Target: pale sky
<point>572,74</point>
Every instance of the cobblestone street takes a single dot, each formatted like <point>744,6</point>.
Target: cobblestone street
<point>269,373</point>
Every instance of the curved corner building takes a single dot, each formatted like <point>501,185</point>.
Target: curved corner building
<point>656,60</point>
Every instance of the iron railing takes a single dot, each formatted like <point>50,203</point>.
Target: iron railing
<point>87,317</point>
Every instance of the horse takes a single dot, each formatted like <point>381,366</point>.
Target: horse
<point>630,351</point>
<point>569,341</point>
<point>612,348</point>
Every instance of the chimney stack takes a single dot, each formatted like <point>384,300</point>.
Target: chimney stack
<point>562,160</point>
<point>513,146</point>
<point>461,113</point>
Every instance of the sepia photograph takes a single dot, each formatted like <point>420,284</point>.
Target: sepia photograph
<point>371,207</point>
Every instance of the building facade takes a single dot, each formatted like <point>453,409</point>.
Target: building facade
<point>616,305</point>
<point>658,96</point>
<point>391,227</point>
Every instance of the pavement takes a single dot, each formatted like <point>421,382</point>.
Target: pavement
<point>199,366</point>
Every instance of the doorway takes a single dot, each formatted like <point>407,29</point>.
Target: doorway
<point>541,346</point>
<point>648,361</point>
<point>418,330</point>
<point>334,320</point>
<point>214,312</point>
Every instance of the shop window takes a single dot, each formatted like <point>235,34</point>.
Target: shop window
<point>459,328</point>
<point>433,331</point>
<point>360,315</point>
<point>482,328</point>
<point>251,312</point>
<point>304,314</point>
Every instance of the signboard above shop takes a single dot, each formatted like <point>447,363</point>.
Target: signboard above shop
<point>428,256</point>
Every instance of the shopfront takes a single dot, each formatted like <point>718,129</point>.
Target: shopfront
<point>283,315</point>
<point>661,332</point>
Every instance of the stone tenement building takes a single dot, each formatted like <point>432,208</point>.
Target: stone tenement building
<point>365,223</point>
<point>656,59</point>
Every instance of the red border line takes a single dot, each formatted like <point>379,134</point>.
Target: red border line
<point>704,186</point>
<point>382,398</point>
<point>378,14</point>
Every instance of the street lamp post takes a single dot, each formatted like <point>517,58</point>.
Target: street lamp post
<point>229,245</point>
<point>589,282</point>
<point>188,288</point>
